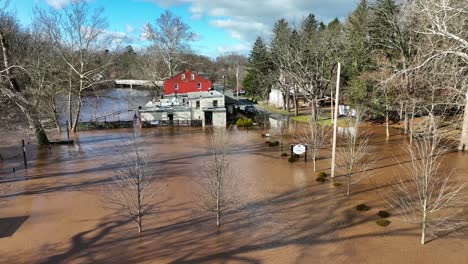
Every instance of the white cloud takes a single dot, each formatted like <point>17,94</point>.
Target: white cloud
<point>246,19</point>
<point>129,28</point>
<point>238,49</point>
<point>116,39</point>
<point>57,4</point>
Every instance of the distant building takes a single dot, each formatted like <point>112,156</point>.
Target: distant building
<point>279,99</point>
<point>206,108</point>
<point>186,82</point>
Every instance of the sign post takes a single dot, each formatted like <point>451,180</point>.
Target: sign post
<point>24,154</point>
<point>305,153</point>
<point>68,132</point>
<point>300,149</point>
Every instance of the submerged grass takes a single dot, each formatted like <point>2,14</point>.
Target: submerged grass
<point>342,122</point>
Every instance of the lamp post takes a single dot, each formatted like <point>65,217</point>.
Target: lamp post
<point>224,84</point>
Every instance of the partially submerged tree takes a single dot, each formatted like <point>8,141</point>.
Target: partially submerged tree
<point>77,34</point>
<point>130,192</point>
<point>217,176</point>
<point>429,195</point>
<point>22,68</point>
<point>316,136</point>
<point>354,157</point>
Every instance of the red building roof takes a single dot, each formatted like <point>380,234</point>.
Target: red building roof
<point>186,82</point>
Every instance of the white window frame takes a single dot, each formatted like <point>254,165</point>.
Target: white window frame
<point>183,76</point>
<point>199,85</point>
<point>176,87</point>
<point>192,76</point>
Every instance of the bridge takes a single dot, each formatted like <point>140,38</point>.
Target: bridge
<point>131,83</point>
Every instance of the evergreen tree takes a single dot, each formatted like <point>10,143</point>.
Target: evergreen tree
<point>256,82</point>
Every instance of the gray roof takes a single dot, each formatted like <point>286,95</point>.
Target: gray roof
<point>204,94</point>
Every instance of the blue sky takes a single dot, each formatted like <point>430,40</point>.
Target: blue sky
<point>222,26</point>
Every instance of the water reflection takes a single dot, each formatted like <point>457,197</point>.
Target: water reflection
<point>115,100</point>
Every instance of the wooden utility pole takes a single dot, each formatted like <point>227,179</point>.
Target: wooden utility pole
<point>237,83</point>
<point>335,119</point>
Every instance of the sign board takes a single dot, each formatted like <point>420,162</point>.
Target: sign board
<point>299,149</point>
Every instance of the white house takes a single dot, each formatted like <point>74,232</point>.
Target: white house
<point>208,107</point>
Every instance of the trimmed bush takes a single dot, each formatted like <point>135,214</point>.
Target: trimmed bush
<point>383,214</point>
<point>320,179</point>
<point>273,143</point>
<point>284,154</point>
<point>263,135</point>
<point>244,122</point>
<point>362,207</point>
<point>292,159</point>
<point>240,122</point>
<point>321,174</point>
<point>267,142</point>
<point>383,222</point>
<point>336,184</point>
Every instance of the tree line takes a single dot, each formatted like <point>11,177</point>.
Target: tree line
<point>401,59</point>
<point>66,54</point>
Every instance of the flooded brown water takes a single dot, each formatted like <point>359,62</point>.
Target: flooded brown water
<point>54,213</point>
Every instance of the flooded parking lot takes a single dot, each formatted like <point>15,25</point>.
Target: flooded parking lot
<point>55,212</point>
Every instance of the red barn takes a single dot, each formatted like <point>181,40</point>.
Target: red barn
<point>186,82</point>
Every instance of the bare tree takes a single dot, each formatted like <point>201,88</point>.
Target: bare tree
<point>429,195</point>
<point>217,176</point>
<point>443,24</point>
<point>316,136</point>
<point>23,70</point>
<point>130,191</point>
<point>77,33</point>
<point>354,156</point>
<point>169,35</point>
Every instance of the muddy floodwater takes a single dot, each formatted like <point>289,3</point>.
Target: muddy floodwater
<point>53,212</point>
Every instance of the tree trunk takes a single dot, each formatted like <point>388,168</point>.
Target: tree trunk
<point>413,109</point>
<point>314,160</point>
<point>70,114</point>
<point>296,111</point>
<point>218,192</point>
<point>464,134</point>
<point>402,104</point>
<point>140,229</point>
<point>423,227</point>
<point>77,113</point>
<point>349,185</point>
<point>284,100</point>
<point>406,122</point>
<point>387,130</point>
<point>56,116</point>
<point>33,119</point>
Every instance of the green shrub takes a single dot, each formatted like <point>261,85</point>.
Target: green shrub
<point>248,122</point>
<point>320,179</point>
<point>284,154</point>
<point>383,214</point>
<point>263,135</point>
<point>383,222</point>
<point>321,174</point>
<point>336,184</point>
<point>362,207</point>
<point>240,122</point>
<point>292,159</point>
